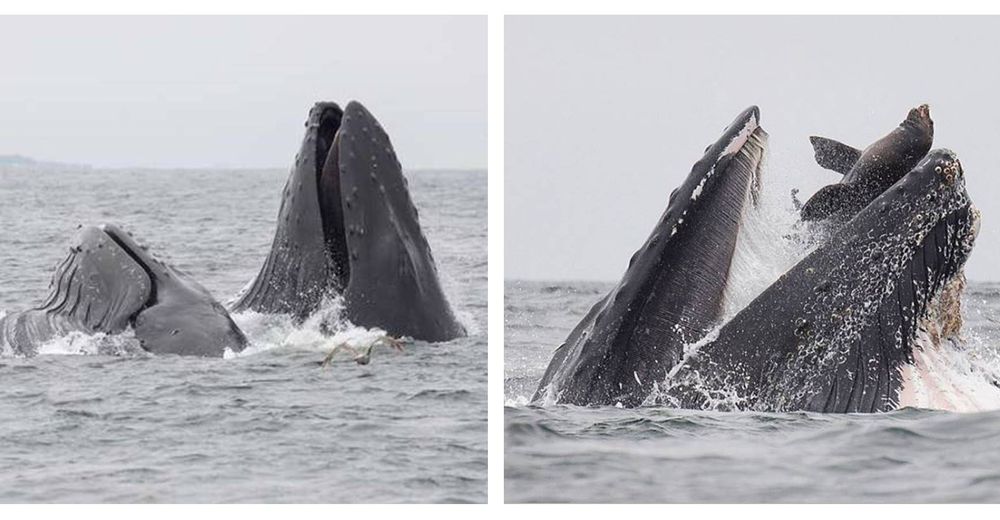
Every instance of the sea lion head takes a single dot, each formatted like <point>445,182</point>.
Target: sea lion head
<point>919,119</point>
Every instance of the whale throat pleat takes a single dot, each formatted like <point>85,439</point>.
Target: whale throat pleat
<point>96,288</point>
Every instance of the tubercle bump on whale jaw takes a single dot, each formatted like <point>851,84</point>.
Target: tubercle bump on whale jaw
<point>592,367</point>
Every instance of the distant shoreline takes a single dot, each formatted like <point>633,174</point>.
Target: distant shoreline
<point>28,162</point>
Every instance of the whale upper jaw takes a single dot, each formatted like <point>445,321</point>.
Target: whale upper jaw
<point>393,282</point>
<point>672,292</point>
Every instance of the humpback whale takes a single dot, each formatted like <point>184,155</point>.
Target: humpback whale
<point>347,226</point>
<point>109,283</point>
<point>868,173</point>
<point>672,292</point>
<point>839,331</point>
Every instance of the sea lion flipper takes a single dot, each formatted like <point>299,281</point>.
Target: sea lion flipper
<point>834,155</point>
<point>828,200</point>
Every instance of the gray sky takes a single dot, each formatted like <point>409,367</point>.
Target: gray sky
<point>604,116</point>
<point>235,91</point>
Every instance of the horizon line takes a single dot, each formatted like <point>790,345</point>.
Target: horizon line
<point>28,161</point>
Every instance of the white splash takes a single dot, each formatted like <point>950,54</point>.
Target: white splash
<point>320,332</point>
<point>767,245</point>
<point>945,377</point>
<point>950,371</point>
<point>81,344</point>
<point>520,401</point>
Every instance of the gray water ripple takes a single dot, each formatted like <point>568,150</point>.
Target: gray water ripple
<point>652,454</point>
<point>269,427</point>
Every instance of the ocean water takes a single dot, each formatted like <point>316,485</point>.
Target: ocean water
<point>560,453</point>
<point>270,425</point>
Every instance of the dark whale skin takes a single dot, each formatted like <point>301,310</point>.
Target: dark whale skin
<point>107,284</point>
<point>833,333</point>
<point>672,292</point>
<point>348,227</point>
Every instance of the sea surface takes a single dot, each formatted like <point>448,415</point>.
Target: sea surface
<point>560,453</point>
<point>269,425</point>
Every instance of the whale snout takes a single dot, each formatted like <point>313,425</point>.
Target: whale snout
<point>945,164</point>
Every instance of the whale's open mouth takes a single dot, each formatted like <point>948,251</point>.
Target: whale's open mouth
<point>329,194</point>
<point>741,164</point>
<point>687,284</point>
<point>177,315</point>
<point>673,291</point>
<point>128,246</point>
<point>347,228</point>
<point>685,295</point>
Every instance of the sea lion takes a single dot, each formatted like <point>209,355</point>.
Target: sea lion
<point>870,172</point>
